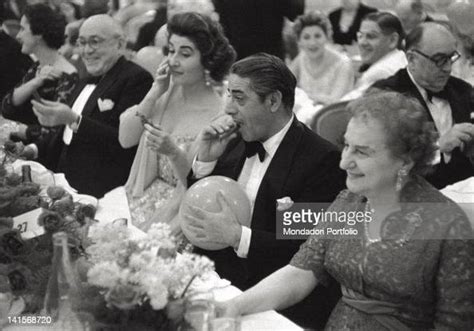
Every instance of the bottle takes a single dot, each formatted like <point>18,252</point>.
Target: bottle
<point>26,173</point>
<point>61,284</point>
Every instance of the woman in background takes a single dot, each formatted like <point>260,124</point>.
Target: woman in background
<point>180,103</point>
<point>324,74</point>
<point>411,263</point>
<point>51,77</point>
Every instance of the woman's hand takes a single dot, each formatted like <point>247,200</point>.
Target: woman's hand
<point>47,73</point>
<point>160,141</point>
<point>162,77</point>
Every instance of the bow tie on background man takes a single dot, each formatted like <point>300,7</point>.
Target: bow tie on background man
<point>93,79</point>
<point>440,95</point>
<point>255,147</point>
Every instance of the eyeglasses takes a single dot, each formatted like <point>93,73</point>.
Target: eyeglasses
<point>440,60</point>
<point>93,42</point>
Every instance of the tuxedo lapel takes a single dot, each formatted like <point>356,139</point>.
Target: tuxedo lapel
<point>457,104</point>
<point>275,177</point>
<point>411,88</point>
<point>105,83</point>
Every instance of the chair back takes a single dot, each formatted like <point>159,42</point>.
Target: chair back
<point>331,123</point>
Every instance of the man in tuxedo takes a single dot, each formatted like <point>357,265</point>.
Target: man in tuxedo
<point>431,51</point>
<point>90,154</point>
<point>272,155</point>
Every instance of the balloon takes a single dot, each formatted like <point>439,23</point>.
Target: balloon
<point>203,194</point>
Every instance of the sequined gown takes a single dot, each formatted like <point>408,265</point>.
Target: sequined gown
<point>162,195</point>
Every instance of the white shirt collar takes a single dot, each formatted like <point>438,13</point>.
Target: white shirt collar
<point>272,143</point>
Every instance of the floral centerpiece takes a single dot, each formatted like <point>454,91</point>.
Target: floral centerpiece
<point>131,280</point>
<point>25,263</point>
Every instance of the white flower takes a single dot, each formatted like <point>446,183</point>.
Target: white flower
<point>105,104</point>
<point>284,203</point>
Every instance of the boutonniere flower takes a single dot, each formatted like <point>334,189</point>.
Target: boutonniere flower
<point>284,203</point>
<point>105,104</point>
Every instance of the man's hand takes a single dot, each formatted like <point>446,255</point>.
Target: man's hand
<point>214,138</point>
<point>52,113</point>
<point>219,228</point>
<point>458,136</point>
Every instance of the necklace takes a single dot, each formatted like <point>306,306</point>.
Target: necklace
<point>366,225</point>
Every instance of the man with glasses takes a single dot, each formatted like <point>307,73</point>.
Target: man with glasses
<point>431,52</point>
<point>91,156</point>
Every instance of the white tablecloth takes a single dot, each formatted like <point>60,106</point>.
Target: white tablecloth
<point>463,193</point>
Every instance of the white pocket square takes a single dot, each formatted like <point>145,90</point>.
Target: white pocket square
<point>105,104</point>
<point>284,203</point>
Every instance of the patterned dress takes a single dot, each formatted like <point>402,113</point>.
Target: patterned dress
<point>162,195</point>
<point>419,276</point>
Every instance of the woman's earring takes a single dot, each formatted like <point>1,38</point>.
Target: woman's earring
<point>401,175</point>
<point>207,77</point>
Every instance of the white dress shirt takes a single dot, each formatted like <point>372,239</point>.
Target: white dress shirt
<point>250,178</point>
<point>442,115</point>
<point>77,108</point>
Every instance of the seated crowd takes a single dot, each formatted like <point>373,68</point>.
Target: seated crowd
<point>157,95</point>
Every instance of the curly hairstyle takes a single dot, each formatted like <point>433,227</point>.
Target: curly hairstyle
<point>217,55</point>
<point>47,23</point>
<point>409,133</point>
<point>313,18</point>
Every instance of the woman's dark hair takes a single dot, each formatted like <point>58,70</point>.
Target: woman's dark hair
<point>409,133</point>
<point>389,24</point>
<point>314,18</point>
<point>47,23</point>
<point>217,55</point>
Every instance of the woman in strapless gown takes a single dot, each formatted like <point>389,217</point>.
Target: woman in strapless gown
<point>182,100</point>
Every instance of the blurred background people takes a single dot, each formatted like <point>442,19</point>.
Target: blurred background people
<point>380,40</point>
<point>52,77</point>
<point>256,26</point>
<point>13,63</point>
<point>181,102</point>
<point>323,73</point>
<point>408,263</point>
<point>411,13</point>
<point>346,21</point>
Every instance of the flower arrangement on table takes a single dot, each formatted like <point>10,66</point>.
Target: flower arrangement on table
<point>25,263</point>
<point>130,281</point>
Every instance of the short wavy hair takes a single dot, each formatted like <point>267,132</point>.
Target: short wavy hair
<point>217,55</point>
<point>410,135</point>
<point>46,23</point>
<point>313,18</point>
<point>267,74</point>
<point>389,24</point>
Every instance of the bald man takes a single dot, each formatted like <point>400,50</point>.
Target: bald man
<point>431,52</point>
<point>90,154</point>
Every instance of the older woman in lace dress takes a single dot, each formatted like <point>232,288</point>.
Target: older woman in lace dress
<point>181,101</point>
<point>411,263</point>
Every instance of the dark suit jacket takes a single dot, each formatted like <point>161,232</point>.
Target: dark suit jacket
<point>305,168</point>
<point>254,26</point>
<point>94,162</point>
<point>347,38</point>
<point>459,98</point>
<point>13,64</point>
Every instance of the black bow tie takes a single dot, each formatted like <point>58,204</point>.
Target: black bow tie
<point>441,95</point>
<point>255,147</point>
<point>93,79</point>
